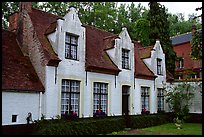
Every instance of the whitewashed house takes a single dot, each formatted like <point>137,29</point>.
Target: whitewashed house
<point>82,68</point>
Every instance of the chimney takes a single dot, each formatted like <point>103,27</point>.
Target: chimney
<point>25,6</point>
<point>13,22</point>
<point>193,29</point>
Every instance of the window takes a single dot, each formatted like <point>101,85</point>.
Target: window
<point>145,98</point>
<point>179,76</point>
<point>159,66</point>
<point>71,43</point>
<point>70,96</point>
<point>160,99</point>
<point>100,97</point>
<point>180,63</point>
<point>14,118</point>
<point>125,59</point>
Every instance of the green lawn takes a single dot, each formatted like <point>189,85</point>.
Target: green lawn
<point>166,129</point>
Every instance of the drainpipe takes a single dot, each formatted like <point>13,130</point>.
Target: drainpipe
<point>40,106</point>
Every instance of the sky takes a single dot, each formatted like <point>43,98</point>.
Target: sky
<point>177,7</point>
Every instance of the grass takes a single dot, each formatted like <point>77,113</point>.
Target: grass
<point>166,129</point>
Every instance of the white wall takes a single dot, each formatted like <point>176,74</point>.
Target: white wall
<point>196,101</point>
<point>114,94</point>
<point>19,103</point>
<point>137,96</point>
<point>67,68</point>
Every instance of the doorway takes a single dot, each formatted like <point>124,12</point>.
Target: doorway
<point>125,99</point>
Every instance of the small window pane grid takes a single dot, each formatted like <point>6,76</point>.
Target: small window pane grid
<point>70,96</point>
<point>100,97</point>
<point>125,59</point>
<point>71,46</point>
<point>159,66</point>
<point>160,97</point>
<point>145,98</point>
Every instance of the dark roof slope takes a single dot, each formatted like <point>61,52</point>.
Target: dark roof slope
<point>97,60</point>
<point>17,70</point>
<point>141,70</point>
<point>183,38</point>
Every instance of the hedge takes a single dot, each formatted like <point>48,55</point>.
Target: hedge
<point>89,126</point>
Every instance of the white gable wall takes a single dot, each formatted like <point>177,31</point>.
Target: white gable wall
<point>67,68</point>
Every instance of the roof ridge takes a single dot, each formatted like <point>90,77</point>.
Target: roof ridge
<point>181,34</point>
<point>98,29</point>
<point>47,13</point>
<point>146,47</point>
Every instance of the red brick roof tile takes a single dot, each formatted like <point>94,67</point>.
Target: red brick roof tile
<point>97,60</point>
<point>141,70</point>
<point>17,70</point>
<point>145,52</point>
<point>44,23</point>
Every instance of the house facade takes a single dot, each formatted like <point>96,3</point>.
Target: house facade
<point>79,68</point>
<point>188,70</point>
<point>186,67</point>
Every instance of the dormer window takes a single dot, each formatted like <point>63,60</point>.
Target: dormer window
<point>159,66</point>
<point>125,59</point>
<point>71,43</point>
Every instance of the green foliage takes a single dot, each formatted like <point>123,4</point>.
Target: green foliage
<point>142,121</point>
<point>170,129</point>
<point>89,126</point>
<point>142,31</point>
<point>159,29</point>
<point>94,126</point>
<point>196,48</point>
<point>178,99</point>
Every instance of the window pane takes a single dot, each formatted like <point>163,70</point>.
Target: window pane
<point>71,46</point>
<point>160,98</point>
<point>125,59</point>
<point>70,89</point>
<point>74,40</point>
<point>145,98</point>
<point>67,38</point>
<point>100,96</point>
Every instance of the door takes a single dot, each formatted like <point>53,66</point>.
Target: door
<point>125,100</point>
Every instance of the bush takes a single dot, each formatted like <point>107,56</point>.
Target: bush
<point>89,126</point>
<point>142,121</point>
<point>100,125</point>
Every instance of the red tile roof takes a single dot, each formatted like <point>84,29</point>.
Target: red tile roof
<point>141,70</point>
<point>17,70</point>
<point>97,60</point>
<point>45,23</point>
<point>145,52</point>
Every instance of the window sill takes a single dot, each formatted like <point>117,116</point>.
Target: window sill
<point>72,59</point>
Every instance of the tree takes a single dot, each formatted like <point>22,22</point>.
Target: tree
<point>196,42</point>
<point>178,98</point>
<point>122,20</point>
<point>8,8</point>
<point>159,29</point>
<point>142,31</point>
<point>196,46</point>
